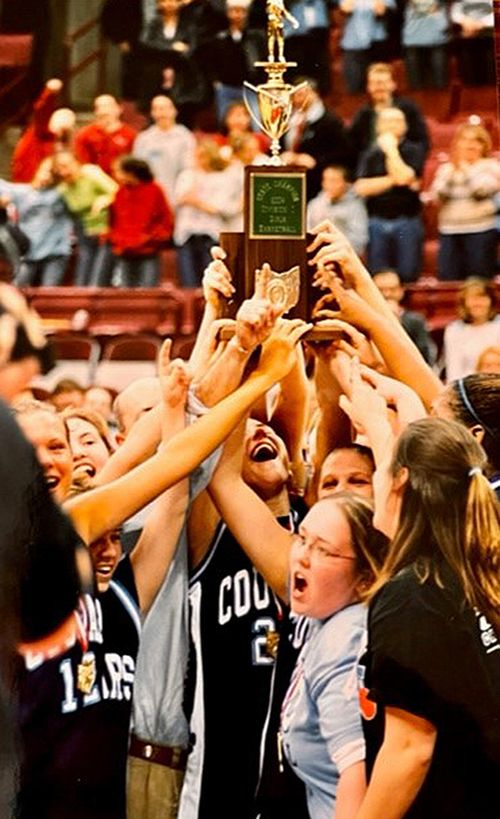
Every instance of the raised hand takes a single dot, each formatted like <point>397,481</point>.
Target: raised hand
<point>408,405</point>
<point>174,377</point>
<point>352,308</point>
<point>278,353</point>
<point>334,253</point>
<point>216,281</point>
<point>368,412</point>
<point>352,341</point>
<point>257,316</point>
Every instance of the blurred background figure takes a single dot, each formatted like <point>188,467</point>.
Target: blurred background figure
<point>477,328</point>
<point>107,137</point>
<point>229,56</point>
<point>140,224</point>
<point>489,360</point>
<point>389,284</point>
<point>474,26</point>
<point>424,37</point>
<point>88,192</point>
<point>67,394</point>
<point>465,189</point>
<point>364,38</point>
<point>206,198</point>
<point>338,202</point>
<point>50,130</point>
<point>166,145</point>
<point>44,219</point>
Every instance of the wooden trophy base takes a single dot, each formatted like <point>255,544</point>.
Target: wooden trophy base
<point>274,232</point>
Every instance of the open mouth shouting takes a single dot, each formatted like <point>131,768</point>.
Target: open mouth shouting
<point>53,482</point>
<point>264,450</point>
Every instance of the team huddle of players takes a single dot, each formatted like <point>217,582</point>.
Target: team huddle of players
<point>306,615</point>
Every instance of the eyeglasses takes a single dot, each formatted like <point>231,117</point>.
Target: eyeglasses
<point>315,548</point>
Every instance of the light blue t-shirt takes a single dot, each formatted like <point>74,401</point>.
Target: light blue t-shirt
<point>425,23</point>
<point>321,725</point>
<point>157,709</point>
<point>363,27</point>
<point>43,217</point>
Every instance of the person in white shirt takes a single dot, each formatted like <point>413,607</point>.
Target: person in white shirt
<point>166,146</point>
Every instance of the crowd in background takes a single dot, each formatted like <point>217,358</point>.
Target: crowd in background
<point>80,207</point>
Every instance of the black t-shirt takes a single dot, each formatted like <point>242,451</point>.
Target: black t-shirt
<point>39,582</point>
<point>400,200</point>
<point>431,655</point>
<point>75,712</point>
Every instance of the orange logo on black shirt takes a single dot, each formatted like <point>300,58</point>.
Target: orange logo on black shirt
<point>367,707</point>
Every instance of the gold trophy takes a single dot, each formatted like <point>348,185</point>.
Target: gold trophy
<point>274,97</point>
<point>275,195</point>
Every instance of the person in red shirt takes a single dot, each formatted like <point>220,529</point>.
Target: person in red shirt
<point>141,222</point>
<point>105,139</point>
<point>49,130</point>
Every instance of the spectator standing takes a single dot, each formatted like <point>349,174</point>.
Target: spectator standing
<point>88,193</point>
<point>45,220</point>
<point>465,188</point>
<point>308,44</point>
<point>166,146</point>
<point>167,60</point>
<point>229,56</point>
<point>425,39</point>
<point>124,29</point>
<point>364,38</point>
<point>388,179</point>
<point>316,137</point>
<point>206,197</point>
<point>50,129</point>
<point>106,138</point>
<point>339,203</point>
<point>238,123</point>
<point>477,328</point>
<point>475,22</point>
<point>381,89</point>
<point>141,222</point>
<point>389,284</point>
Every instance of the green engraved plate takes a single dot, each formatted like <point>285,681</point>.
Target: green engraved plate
<point>277,205</point>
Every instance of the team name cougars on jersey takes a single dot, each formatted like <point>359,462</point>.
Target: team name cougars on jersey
<point>115,682</point>
<point>241,592</point>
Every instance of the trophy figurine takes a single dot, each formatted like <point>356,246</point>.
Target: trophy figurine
<point>275,195</point>
<point>274,97</point>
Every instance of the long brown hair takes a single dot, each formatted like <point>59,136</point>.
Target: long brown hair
<point>369,545</point>
<point>448,512</point>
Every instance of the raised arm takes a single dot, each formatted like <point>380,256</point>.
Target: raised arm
<point>255,528</point>
<point>362,305</point>
<point>105,508</point>
<point>217,286</point>
<point>153,553</point>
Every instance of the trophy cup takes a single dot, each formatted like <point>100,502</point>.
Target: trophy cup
<point>275,195</point>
